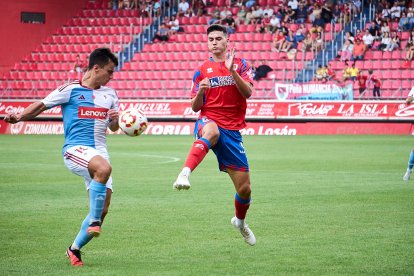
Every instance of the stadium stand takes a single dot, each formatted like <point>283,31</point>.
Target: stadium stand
<point>164,70</point>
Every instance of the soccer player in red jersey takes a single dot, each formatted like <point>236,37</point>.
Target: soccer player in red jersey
<point>219,91</point>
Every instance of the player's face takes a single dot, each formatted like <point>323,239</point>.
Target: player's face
<point>217,42</point>
<point>104,74</point>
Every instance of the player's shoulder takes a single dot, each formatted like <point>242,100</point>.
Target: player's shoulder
<point>69,86</point>
<point>108,90</point>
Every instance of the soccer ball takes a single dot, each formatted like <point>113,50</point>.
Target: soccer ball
<point>133,122</point>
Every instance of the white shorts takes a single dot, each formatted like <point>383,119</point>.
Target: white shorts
<point>77,158</point>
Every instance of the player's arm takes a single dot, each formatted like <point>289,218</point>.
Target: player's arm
<point>197,101</point>
<point>245,88</point>
<point>29,113</point>
<point>113,120</point>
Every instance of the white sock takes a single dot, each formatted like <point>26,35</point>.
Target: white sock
<point>186,171</point>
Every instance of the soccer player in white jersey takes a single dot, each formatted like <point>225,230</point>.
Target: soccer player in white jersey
<point>88,109</point>
<point>410,166</point>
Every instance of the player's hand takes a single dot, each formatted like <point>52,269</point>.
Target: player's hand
<point>230,59</point>
<point>113,115</point>
<point>12,118</point>
<point>409,100</point>
<point>203,85</point>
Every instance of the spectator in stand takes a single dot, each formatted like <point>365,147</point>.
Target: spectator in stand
<point>134,4</point>
<point>174,25</point>
<point>264,25</point>
<point>374,29</point>
<point>385,41</point>
<point>230,23</point>
<point>162,34</point>
<point>358,34</point>
<point>410,15</point>
<point>395,12</point>
<point>215,19</point>
<point>359,50</point>
<point>318,42</point>
<point>301,14</point>
<point>376,91</point>
<point>395,42</point>
<point>241,15</point>
<point>368,39</point>
<point>410,51</point>
<point>283,28</point>
<point>300,33</point>
<point>386,12</point>
<point>404,22</point>
<point>269,11</point>
<point>79,66</point>
<point>199,8</point>
<point>346,51</point>
<point>354,72</point>
<point>239,3</point>
<point>293,4</point>
<point>326,13</point>
<point>250,3</point>
<point>183,7</point>
<point>321,74</point>
<point>316,10</point>
<point>307,43</point>
<point>349,36</point>
<point>346,73</point>
<point>318,24</point>
<point>249,17</point>
<point>362,81</point>
<point>330,73</point>
<point>257,13</point>
<point>278,41</point>
<point>385,28</point>
<point>274,23</point>
<point>290,42</point>
<point>290,15</point>
<point>224,13</point>
<point>261,71</point>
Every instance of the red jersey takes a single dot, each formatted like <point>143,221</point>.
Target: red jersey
<point>222,102</point>
<point>362,81</point>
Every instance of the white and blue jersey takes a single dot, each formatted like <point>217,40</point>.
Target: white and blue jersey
<point>85,114</point>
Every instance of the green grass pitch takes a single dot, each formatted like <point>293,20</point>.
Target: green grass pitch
<point>322,205</point>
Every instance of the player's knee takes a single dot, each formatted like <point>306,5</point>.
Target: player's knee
<point>244,190</point>
<point>103,173</point>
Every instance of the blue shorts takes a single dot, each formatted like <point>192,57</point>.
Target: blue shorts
<point>229,149</point>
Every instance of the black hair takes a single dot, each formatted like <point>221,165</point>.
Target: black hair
<point>217,27</point>
<point>101,57</point>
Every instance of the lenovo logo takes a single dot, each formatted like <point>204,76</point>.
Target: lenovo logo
<point>92,112</point>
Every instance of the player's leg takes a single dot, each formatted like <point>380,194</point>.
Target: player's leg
<point>410,166</point>
<point>241,181</point>
<point>78,160</point>
<point>207,134</point>
<point>100,171</point>
<point>83,237</point>
<point>232,159</point>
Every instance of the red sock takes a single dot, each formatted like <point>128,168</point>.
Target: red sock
<point>241,207</point>
<point>197,153</point>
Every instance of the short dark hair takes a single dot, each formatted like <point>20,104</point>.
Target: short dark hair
<point>217,27</point>
<point>101,57</point>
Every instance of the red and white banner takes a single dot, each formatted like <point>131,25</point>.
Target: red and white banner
<point>285,110</point>
<point>253,128</point>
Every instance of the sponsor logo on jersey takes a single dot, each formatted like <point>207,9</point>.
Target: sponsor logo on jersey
<point>86,112</point>
<point>221,81</point>
<point>210,70</point>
